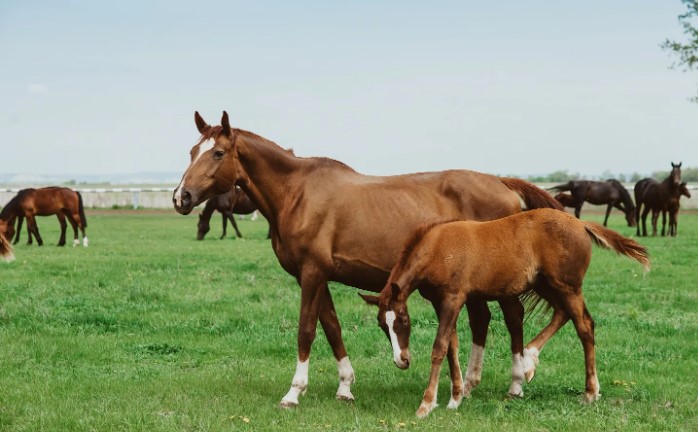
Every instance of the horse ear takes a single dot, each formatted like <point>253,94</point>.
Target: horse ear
<point>369,299</point>
<point>225,122</point>
<point>201,124</point>
<point>679,165</point>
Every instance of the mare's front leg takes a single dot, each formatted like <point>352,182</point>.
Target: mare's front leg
<point>74,225</point>
<point>450,308</point>
<point>513,317</point>
<point>225,225</point>
<point>33,229</point>
<point>333,332</point>
<point>664,223</point>
<point>313,284</point>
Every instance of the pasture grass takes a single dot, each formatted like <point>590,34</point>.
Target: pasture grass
<point>150,330</point>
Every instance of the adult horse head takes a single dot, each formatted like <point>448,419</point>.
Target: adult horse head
<point>675,174</point>
<point>213,167</point>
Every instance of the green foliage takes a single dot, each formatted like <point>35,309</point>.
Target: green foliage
<point>687,51</point>
<point>559,176</point>
<point>150,330</point>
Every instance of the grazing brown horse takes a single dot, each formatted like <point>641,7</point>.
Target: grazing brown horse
<point>542,252</point>
<point>331,223</point>
<point>235,201</point>
<point>29,203</point>
<point>610,192</point>
<point>655,197</point>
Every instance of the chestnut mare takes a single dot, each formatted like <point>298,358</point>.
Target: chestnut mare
<point>610,192</point>
<point>655,196</point>
<point>235,201</point>
<point>544,253</point>
<point>331,223</point>
<point>29,203</point>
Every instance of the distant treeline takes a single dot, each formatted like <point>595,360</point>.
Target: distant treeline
<point>688,174</point>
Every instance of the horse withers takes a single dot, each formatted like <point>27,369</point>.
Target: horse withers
<point>541,253</point>
<point>29,203</point>
<point>610,192</point>
<point>331,223</point>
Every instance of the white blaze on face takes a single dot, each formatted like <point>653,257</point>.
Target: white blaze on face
<point>203,148</point>
<point>390,322</point>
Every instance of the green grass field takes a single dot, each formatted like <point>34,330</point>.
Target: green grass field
<point>150,330</point>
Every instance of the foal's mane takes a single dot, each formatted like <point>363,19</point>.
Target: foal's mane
<point>416,237</point>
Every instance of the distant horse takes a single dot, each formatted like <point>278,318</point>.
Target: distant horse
<point>29,203</point>
<point>541,253</point>
<point>235,201</point>
<point>610,192</point>
<point>331,223</point>
<point>655,196</point>
<point>673,210</point>
<point>566,199</point>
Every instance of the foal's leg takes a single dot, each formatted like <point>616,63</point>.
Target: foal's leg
<point>313,284</point>
<point>479,318</point>
<point>533,349</point>
<point>450,308</point>
<point>333,332</point>
<point>64,226</point>
<point>513,317</point>
<point>645,212</point>
<point>574,304</point>
<point>453,363</point>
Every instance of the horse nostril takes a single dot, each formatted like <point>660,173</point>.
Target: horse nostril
<point>186,198</point>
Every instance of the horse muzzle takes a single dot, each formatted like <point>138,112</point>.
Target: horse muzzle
<point>404,361</point>
<point>182,201</point>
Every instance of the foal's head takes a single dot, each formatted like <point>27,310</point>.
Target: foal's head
<point>675,173</point>
<point>213,168</point>
<point>684,190</point>
<point>203,227</point>
<point>394,319</point>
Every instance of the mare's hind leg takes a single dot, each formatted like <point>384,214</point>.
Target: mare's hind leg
<point>74,225</point>
<point>64,226</point>
<point>513,317</point>
<point>608,212</point>
<point>479,318</point>
<point>235,225</point>
<point>574,304</point>
<point>225,225</point>
<point>333,332</point>
<point>34,229</point>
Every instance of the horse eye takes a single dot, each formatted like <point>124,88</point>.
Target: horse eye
<point>218,154</point>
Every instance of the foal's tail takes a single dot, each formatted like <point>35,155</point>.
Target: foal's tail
<point>611,240</point>
<point>81,210</point>
<point>531,195</point>
<point>6,249</point>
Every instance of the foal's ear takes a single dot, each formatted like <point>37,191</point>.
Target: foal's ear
<point>225,122</point>
<point>201,124</point>
<point>369,299</point>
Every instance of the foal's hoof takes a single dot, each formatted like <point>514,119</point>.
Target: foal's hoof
<point>529,375</point>
<point>425,409</point>
<point>285,404</point>
<point>591,397</point>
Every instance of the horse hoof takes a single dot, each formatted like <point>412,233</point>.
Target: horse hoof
<point>345,397</point>
<point>530,375</point>
<point>454,403</point>
<point>285,404</point>
<point>591,397</point>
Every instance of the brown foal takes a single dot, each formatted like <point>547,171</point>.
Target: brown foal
<point>542,252</point>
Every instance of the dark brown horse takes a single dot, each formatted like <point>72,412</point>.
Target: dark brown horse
<point>610,192</point>
<point>235,201</point>
<point>331,223</point>
<point>29,203</point>
<point>655,196</point>
<point>543,252</point>
<point>673,210</point>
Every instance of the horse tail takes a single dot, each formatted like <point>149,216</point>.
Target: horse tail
<point>531,195</point>
<point>6,249</point>
<point>565,187</point>
<point>611,240</point>
<point>81,210</point>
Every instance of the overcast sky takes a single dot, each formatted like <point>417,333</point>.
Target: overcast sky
<point>505,87</point>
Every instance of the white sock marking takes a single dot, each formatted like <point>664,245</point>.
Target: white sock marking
<point>474,373</point>
<point>85,241</point>
<point>346,378</point>
<point>298,385</point>
<point>530,359</point>
<point>517,375</point>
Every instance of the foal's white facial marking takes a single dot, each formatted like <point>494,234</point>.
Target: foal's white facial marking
<point>390,322</point>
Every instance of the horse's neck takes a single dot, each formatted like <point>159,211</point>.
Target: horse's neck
<point>270,174</point>
<point>10,211</point>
